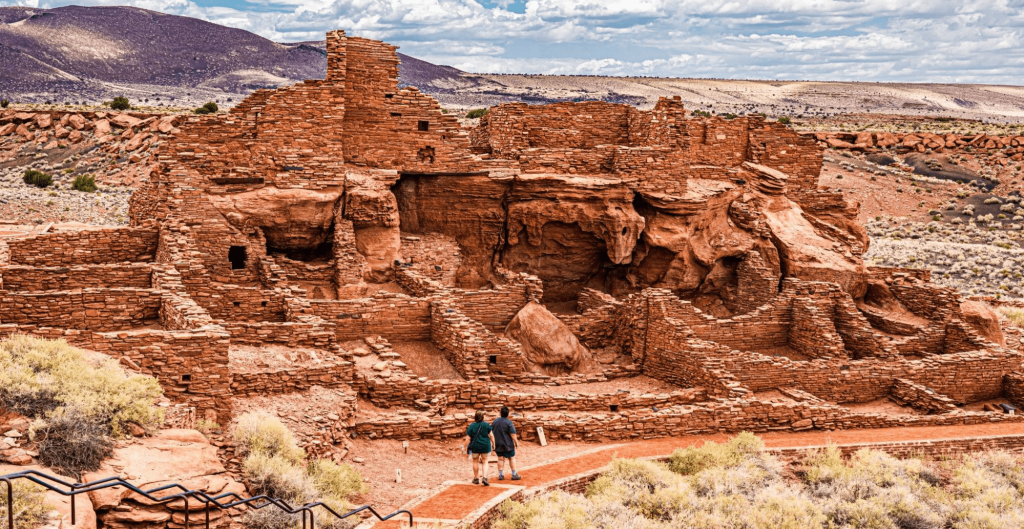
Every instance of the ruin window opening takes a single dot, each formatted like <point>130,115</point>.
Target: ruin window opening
<point>185,379</point>
<point>493,360</point>
<point>238,303</point>
<point>236,255</point>
<point>423,126</point>
<point>263,303</point>
<point>396,114</point>
<point>388,96</point>
<point>613,407</point>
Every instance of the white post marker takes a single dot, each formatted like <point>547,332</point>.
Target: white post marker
<point>398,475</point>
<point>405,445</point>
<point>540,436</point>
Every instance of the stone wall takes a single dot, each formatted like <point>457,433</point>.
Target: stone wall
<point>907,393</point>
<point>103,246</point>
<point>334,374</point>
<point>470,347</point>
<point>95,309</point>
<point>21,278</point>
<point>394,316</point>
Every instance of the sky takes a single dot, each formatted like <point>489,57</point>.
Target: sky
<point>842,40</point>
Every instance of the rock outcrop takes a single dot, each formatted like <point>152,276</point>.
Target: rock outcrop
<point>172,456</point>
<point>549,346</point>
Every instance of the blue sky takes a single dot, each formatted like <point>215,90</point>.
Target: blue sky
<point>851,40</point>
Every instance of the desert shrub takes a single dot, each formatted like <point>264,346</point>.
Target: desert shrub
<point>730,115</point>
<point>988,492</point>
<point>270,517</point>
<point>701,114</point>
<point>30,507</point>
<point>4,103</point>
<point>785,120</point>
<point>272,466</point>
<point>120,103</point>
<point>72,442</point>
<point>211,107</point>
<point>84,183</point>
<point>37,178</point>
<point>874,489</point>
<point>477,113</point>
<point>39,377</point>
<point>338,481</point>
<point>277,477</point>
<point>204,426</point>
<point>259,432</point>
<point>556,510</point>
<point>691,460</point>
<point>1016,316</point>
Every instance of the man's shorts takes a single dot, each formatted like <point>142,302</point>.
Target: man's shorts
<point>507,455</point>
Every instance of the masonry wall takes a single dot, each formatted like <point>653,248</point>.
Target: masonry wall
<point>105,246</point>
<point>41,278</point>
<point>94,309</point>
<point>470,347</point>
<point>394,316</point>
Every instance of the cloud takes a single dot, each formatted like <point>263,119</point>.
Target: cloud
<point>868,40</point>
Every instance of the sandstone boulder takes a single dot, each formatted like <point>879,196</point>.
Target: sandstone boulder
<point>984,320</point>
<point>124,121</point>
<point>171,456</point>
<point>85,516</point>
<point>77,121</point>
<point>101,127</point>
<point>548,344</point>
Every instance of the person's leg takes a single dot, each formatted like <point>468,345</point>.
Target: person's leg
<point>476,468</point>
<point>512,464</point>
<point>501,467</point>
<point>483,472</point>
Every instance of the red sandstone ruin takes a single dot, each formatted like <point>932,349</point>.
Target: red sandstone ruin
<point>697,251</point>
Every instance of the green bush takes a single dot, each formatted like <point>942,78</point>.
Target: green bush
<point>41,378</point>
<point>30,507</point>
<point>37,178</point>
<point>4,103</point>
<point>477,113</point>
<point>691,460</point>
<point>208,108</point>
<point>259,432</point>
<point>84,183</point>
<point>701,114</point>
<point>120,103</point>
<point>272,466</point>
<point>785,120</point>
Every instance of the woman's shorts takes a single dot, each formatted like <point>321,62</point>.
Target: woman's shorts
<point>472,451</point>
<point>507,455</point>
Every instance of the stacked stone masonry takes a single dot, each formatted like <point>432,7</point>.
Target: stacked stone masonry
<point>345,214</point>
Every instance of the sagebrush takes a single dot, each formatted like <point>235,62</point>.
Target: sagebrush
<point>85,183</point>
<point>30,507</point>
<point>273,466</point>
<point>739,485</point>
<point>37,178</point>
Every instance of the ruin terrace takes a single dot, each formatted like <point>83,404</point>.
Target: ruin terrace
<point>346,233</point>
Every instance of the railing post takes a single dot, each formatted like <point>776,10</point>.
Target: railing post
<point>185,497</point>
<point>73,504</point>
<point>10,503</point>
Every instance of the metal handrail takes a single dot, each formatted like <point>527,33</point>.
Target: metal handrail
<point>55,484</point>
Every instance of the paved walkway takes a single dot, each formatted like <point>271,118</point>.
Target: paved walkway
<point>454,501</point>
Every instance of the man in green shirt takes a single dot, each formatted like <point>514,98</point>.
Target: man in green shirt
<point>477,444</point>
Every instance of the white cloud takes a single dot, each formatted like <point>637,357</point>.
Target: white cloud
<point>875,40</point>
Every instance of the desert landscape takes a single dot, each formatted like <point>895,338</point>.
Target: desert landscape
<point>254,287</point>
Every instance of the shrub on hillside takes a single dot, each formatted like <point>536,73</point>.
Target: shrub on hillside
<point>120,103</point>
<point>40,377</point>
<point>208,108</point>
<point>477,113</point>
<point>272,466</point>
<point>85,183</point>
<point>4,103</point>
<point>30,505</point>
<point>71,442</point>
<point>701,114</point>
<point>785,120</point>
<point>37,178</point>
<point>691,460</point>
<point>260,432</point>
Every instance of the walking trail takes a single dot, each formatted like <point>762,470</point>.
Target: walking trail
<point>454,501</point>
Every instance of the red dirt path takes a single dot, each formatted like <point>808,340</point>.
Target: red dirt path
<point>457,501</point>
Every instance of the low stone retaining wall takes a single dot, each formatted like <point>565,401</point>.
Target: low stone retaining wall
<point>94,309</point>
<point>288,380</point>
<point>920,398</point>
<point>38,279</point>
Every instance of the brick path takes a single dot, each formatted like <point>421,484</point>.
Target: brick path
<point>456,500</point>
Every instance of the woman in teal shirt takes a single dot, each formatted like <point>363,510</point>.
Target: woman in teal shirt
<point>478,443</point>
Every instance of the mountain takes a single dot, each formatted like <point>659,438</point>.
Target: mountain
<point>91,54</point>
